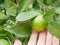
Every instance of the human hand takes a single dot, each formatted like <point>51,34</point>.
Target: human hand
<point>42,38</point>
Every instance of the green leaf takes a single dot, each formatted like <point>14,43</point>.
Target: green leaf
<point>51,2</point>
<point>46,2</point>
<point>10,7</point>
<point>2,18</point>
<point>56,18</point>
<point>57,10</point>
<point>6,4</point>
<point>26,15</point>
<point>10,37</point>
<point>1,1</point>
<point>54,29</point>
<point>23,5</point>
<point>5,34</point>
<point>25,41</point>
<point>49,15</point>
<point>36,5</point>
<point>11,11</point>
<point>21,30</point>
<point>42,2</point>
<point>55,3</point>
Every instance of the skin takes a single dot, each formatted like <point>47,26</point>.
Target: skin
<point>39,24</point>
<point>44,38</point>
<point>17,42</point>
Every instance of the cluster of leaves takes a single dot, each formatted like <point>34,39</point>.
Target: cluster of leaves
<point>16,17</point>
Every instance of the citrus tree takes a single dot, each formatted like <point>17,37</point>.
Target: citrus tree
<point>19,17</point>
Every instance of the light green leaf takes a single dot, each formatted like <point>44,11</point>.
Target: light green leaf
<point>11,11</point>
<point>26,15</point>
<point>57,10</point>
<point>2,16</point>
<point>49,15</point>
<point>54,29</point>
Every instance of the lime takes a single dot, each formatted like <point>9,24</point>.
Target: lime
<point>39,24</point>
<point>4,42</point>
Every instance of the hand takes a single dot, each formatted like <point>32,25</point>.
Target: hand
<point>43,38</point>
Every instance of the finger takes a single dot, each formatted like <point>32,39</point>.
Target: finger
<point>33,38</point>
<point>17,42</point>
<point>48,39</point>
<point>55,41</point>
<point>42,38</point>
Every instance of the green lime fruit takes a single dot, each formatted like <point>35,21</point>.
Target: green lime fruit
<point>39,24</point>
<point>4,42</point>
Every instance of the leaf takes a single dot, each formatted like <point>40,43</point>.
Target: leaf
<point>2,18</point>
<point>49,15</point>
<point>56,18</point>
<point>26,15</point>
<point>23,5</point>
<point>5,34</point>
<point>11,11</point>
<point>10,7</point>
<point>35,4</point>
<point>54,29</point>
<point>42,2</point>
<point>51,2</point>
<point>10,37</point>
<point>57,10</point>
<point>1,1</point>
<point>56,3</point>
<point>21,30</point>
<point>46,2</point>
<point>25,41</point>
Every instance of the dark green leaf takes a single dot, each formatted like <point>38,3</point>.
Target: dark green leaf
<point>24,4</point>
<point>35,4</point>
<point>1,1</point>
<point>26,15</point>
<point>21,30</point>
<point>56,17</point>
<point>5,34</point>
<point>49,15</point>
<point>51,2</point>
<point>10,37</point>
<point>25,41</point>
<point>2,18</point>
<point>56,3</point>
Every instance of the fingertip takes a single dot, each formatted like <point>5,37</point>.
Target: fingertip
<point>17,42</point>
